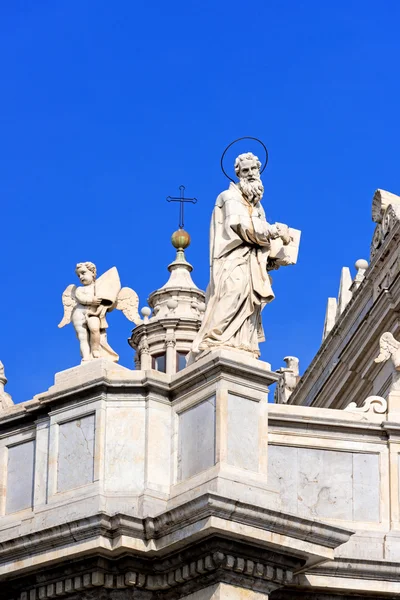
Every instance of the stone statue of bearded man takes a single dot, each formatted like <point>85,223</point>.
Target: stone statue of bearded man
<point>243,248</point>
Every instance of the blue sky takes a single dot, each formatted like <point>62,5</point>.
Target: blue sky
<point>107,107</point>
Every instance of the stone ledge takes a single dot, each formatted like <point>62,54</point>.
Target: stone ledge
<point>208,515</point>
<point>332,421</point>
<point>359,568</point>
<point>214,505</point>
<point>100,377</point>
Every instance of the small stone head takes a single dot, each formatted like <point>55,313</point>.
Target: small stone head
<point>247,169</point>
<point>86,272</point>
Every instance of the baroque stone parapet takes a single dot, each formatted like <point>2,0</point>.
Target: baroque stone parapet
<point>187,482</point>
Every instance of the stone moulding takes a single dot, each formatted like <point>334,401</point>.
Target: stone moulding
<point>154,528</point>
<point>134,382</point>
<point>253,575</point>
<point>374,404</point>
<point>359,568</point>
<point>208,540</point>
<point>210,505</point>
<point>346,424</point>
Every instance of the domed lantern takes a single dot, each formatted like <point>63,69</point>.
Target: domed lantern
<point>166,335</point>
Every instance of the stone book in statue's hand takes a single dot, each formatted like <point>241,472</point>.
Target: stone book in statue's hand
<point>281,253</point>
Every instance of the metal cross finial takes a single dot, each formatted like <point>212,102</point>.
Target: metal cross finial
<point>182,200</point>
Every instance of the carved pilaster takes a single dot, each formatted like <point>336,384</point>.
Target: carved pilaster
<point>144,353</point>
<point>170,344</point>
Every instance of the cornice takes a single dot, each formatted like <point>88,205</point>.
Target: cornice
<point>353,568</point>
<point>315,424</point>
<point>95,389</point>
<point>180,324</point>
<point>216,557</point>
<point>209,505</point>
<point>155,528</point>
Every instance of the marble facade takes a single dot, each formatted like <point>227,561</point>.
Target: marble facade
<point>186,482</point>
<point>191,485</point>
<point>123,468</point>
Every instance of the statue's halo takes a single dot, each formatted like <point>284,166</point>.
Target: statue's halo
<point>246,137</point>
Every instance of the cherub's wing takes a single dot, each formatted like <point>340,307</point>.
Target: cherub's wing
<point>387,347</point>
<point>128,302</point>
<point>69,302</point>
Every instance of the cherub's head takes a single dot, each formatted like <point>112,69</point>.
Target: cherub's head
<point>86,272</point>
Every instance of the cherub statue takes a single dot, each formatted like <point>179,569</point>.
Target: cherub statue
<point>87,305</point>
<point>389,347</point>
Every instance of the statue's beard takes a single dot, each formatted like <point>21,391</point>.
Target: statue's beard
<point>252,190</point>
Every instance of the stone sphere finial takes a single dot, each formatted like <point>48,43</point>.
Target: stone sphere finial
<point>180,239</point>
<point>146,312</point>
<point>362,264</point>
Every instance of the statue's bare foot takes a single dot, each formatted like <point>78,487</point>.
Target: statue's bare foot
<point>96,353</point>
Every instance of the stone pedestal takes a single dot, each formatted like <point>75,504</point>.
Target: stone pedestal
<point>220,422</point>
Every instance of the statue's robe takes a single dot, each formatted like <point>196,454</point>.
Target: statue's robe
<point>239,284</point>
<point>84,309</point>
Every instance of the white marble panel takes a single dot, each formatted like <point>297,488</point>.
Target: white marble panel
<point>20,476</point>
<point>243,436</point>
<point>196,439</point>
<point>159,445</point>
<point>326,483</point>
<point>125,448</point>
<point>75,465</point>
<point>283,474</point>
<point>366,487</point>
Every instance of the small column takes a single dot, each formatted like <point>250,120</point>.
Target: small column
<point>170,344</point>
<point>41,461</point>
<point>144,352</point>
